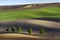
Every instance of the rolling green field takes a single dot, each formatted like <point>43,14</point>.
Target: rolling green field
<point>47,12</point>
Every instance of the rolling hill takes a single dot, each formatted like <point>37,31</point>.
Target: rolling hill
<point>49,10</point>
<point>27,6</point>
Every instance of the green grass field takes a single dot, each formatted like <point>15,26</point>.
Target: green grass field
<point>48,12</point>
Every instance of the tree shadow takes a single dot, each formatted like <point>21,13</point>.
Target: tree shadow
<point>26,26</point>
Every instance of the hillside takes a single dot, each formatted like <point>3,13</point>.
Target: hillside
<point>48,12</point>
<point>45,12</point>
<point>27,6</point>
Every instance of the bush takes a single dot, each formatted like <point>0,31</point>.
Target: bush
<point>30,31</point>
<point>8,29</point>
<point>42,32</point>
<point>13,29</point>
<point>19,30</point>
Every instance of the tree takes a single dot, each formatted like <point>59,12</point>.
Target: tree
<point>8,29</point>
<point>13,29</point>
<point>30,31</point>
<point>19,30</point>
<point>42,32</point>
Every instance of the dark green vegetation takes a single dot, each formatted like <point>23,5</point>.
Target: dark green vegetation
<point>42,32</point>
<point>47,12</point>
<point>19,29</point>
<point>30,30</point>
<point>13,29</point>
<point>8,29</point>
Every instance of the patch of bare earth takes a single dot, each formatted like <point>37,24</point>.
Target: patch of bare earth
<point>13,36</point>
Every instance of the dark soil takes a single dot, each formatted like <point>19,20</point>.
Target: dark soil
<point>30,39</point>
<point>49,19</point>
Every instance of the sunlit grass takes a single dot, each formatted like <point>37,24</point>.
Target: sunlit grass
<point>48,12</point>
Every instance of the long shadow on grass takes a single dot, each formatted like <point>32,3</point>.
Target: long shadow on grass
<point>48,16</point>
<point>26,26</point>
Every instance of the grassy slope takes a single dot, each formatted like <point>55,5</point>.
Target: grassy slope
<point>13,35</point>
<point>50,12</point>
